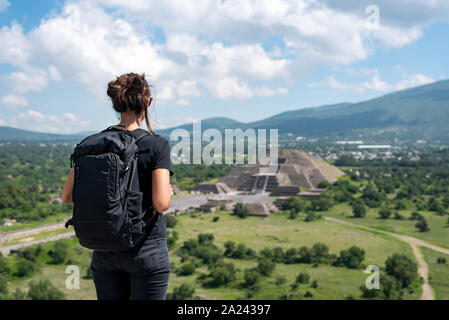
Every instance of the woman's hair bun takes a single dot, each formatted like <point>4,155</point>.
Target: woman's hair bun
<point>129,92</point>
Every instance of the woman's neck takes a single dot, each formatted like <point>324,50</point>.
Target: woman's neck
<point>130,122</point>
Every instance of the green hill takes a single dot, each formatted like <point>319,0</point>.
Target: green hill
<point>14,134</point>
<point>420,112</point>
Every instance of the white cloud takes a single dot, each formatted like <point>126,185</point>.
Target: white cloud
<point>183,102</point>
<point>86,43</point>
<point>4,4</point>
<point>14,46</point>
<point>269,92</point>
<point>73,119</point>
<point>32,79</point>
<point>413,81</point>
<point>375,83</point>
<point>32,115</point>
<point>38,121</point>
<point>14,101</point>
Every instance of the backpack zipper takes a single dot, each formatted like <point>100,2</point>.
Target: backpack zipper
<point>117,187</point>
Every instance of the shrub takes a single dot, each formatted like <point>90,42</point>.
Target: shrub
<point>44,290</point>
<point>184,292</point>
<point>358,209</point>
<point>3,286</point>
<point>311,216</point>
<point>215,219</point>
<point>187,269</point>
<point>351,258</point>
<point>266,267</point>
<point>303,278</point>
<point>221,274</point>
<point>170,220</point>
<point>416,216</point>
<point>4,267</point>
<point>390,289</point>
<point>308,294</point>
<point>240,210</point>
<point>422,225</point>
<point>293,214</point>
<point>441,260</point>
<point>384,213</point>
<point>59,252</point>
<point>25,268</point>
<point>280,280</point>
<point>250,278</point>
<point>398,216</point>
<point>402,268</point>
<point>314,284</point>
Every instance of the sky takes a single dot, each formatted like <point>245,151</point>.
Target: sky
<point>246,60</point>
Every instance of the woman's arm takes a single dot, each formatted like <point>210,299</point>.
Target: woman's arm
<point>161,189</point>
<point>68,188</point>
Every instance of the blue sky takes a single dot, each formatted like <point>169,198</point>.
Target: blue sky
<point>244,59</point>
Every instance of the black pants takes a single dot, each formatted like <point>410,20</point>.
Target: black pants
<point>140,274</point>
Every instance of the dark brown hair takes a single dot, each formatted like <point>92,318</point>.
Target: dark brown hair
<point>131,92</point>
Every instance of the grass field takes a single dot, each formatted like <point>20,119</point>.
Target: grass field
<point>439,229</point>
<point>438,273</point>
<point>256,233</point>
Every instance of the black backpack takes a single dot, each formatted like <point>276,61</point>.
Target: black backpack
<point>107,212</point>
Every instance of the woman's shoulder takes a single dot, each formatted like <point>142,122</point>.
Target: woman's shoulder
<point>155,143</point>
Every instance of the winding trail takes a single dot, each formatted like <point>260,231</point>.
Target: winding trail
<point>423,270</point>
<point>7,249</point>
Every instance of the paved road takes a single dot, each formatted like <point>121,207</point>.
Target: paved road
<point>423,269</point>
<point>6,250</point>
<point>184,202</point>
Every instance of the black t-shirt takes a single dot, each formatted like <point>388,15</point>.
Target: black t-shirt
<point>154,153</point>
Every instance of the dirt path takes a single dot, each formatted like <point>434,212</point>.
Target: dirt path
<point>423,269</point>
<point>6,250</point>
<point>11,235</point>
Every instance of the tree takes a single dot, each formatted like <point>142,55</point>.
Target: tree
<point>384,213</point>
<point>184,292</point>
<point>422,225</point>
<point>170,220</point>
<point>187,269</point>
<point>441,260</point>
<point>221,274</point>
<point>351,258</point>
<point>4,267</point>
<point>303,278</point>
<point>240,210</point>
<point>59,252</point>
<point>250,278</point>
<point>416,216</point>
<point>25,268</point>
<point>358,209</point>
<point>280,280</point>
<point>3,286</point>
<point>229,248</point>
<point>390,289</point>
<point>266,267</point>
<point>44,290</point>
<point>402,268</point>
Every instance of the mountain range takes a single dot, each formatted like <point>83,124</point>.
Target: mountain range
<point>420,111</point>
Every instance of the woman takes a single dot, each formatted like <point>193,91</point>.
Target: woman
<point>143,272</point>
